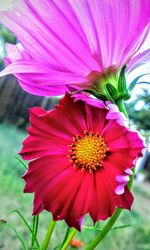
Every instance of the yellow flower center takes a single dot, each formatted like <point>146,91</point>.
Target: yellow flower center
<point>88,152</point>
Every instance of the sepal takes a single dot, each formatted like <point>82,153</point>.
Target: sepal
<point>123,92</point>
<point>111,92</point>
<point>97,94</point>
<point>136,81</point>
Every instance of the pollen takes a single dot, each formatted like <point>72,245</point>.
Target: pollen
<point>88,152</point>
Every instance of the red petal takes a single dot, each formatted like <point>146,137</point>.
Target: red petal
<point>37,205</point>
<point>103,204</point>
<point>41,171</point>
<point>125,200</point>
<point>69,197</point>
<point>37,146</point>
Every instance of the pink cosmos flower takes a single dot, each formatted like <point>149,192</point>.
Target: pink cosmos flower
<point>76,155</point>
<point>80,43</point>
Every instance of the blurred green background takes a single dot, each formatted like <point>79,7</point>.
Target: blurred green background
<point>14,120</point>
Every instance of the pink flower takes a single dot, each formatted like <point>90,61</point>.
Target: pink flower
<point>79,43</point>
<point>75,156</point>
<point>122,181</point>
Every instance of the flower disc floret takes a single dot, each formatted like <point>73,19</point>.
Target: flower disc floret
<point>88,152</point>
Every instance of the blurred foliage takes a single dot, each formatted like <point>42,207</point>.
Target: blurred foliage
<point>5,37</point>
<point>139,110</point>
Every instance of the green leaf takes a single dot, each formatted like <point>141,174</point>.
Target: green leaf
<point>135,82</point>
<point>95,228</point>
<point>120,227</point>
<point>22,218</point>
<point>18,235</point>
<point>57,247</point>
<point>25,222</point>
<point>22,162</point>
<point>90,228</point>
<point>97,224</point>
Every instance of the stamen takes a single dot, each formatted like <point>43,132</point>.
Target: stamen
<point>88,152</point>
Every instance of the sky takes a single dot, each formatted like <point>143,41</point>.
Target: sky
<point>6,4</point>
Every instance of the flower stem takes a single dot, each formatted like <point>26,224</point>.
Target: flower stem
<point>73,231</point>
<point>121,106</point>
<point>100,236</point>
<point>48,235</point>
<point>66,236</point>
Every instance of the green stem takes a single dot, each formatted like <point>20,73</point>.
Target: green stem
<point>36,225</point>
<point>48,235</point>
<point>34,231</point>
<point>121,106</point>
<point>69,238</point>
<point>33,226</point>
<point>100,236</point>
<point>130,183</point>
<point>66,236</point>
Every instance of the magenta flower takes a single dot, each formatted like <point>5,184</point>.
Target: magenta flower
<point>79,43</point>
<point>79,156</point>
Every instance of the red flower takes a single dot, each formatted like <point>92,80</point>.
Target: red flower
<point>77,153</point>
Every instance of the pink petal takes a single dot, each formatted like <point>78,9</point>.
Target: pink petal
<point>122,178</point>
<point>120,189</point>
<point>44,38</point>
<point>104,31</point>
<point>89,99</point>
<point>139,60</point>
<point>115,114</point>
<point>128,171</point>
<point>41,79</point>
